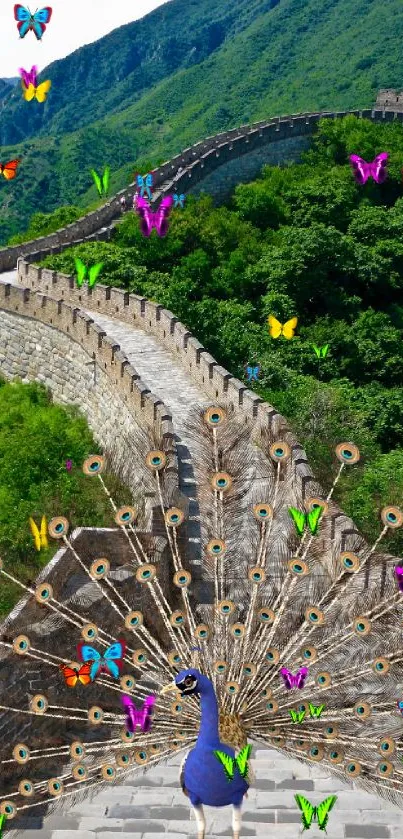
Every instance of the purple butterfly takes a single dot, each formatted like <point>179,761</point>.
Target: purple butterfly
<point>291,681</point>
<point>399,576</point>
<point>149,219</point>
<point>69,464</point>
<point>135,717</point>
<point>29,78</point>
<point>363,170</point>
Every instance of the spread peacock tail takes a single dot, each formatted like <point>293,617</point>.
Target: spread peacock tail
<point>224,586</point>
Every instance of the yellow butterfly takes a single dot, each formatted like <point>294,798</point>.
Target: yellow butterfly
<point>286,329</point>
<point>39,536</point>
<point>40,93</point>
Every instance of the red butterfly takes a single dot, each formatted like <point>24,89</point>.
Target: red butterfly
<point>73,674</point>
<point>9,170</point>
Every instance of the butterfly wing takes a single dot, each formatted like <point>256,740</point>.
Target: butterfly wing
<point>227,762</point>
<point>42,90</point>
<point>307,810</point>
<point>113,658</point>
<point>84,674</point>
<point>256,371</point>
<point>289,328</point>
<point>24,18</point>
<point>298,518</point>
<point>40,19</point>
<point>97,180</point>
<point>275,326</point>
<point>29,92</point>
<point>324,351</point>
<point>70,675</point>
<point>161,216</point>
<point>87,653</point>
<point>9,170</point>
<point>399,576</point>
<point>287,677</point>
<point>28,77</point>
<point>81,271</point>
<point>301,716</point>
<point>300,677</point>
<point>315,711</point>
<point>313,519</point>
<point>293,715</point>
<point>149,179</point>
<point>378,168</point>
<point>105,179</point>
<point>94,273</point>
<point>146,215</point>
<point>317,350</point>
<point>361,169</point>
<point>242,760</point>
<point>44,533</point>
<point>35,534</point>
<point>323,810</point>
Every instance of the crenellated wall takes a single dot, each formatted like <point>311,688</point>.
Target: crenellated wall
<point>49,341</point>
<point>193,167</point>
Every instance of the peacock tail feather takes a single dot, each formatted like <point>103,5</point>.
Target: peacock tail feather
<point>221,568</point>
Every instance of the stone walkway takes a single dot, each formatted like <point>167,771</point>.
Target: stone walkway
<point>152,804</point>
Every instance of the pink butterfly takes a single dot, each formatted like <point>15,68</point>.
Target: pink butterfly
<point>29,78</point>
<point>69,464</point>
<point>135,717</point>
<point>291,681</point>
<point>399,576</point>
<point>149,219</point>
<point>363,170</point>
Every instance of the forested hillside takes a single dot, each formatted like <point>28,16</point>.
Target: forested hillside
<point>305,240</point>
<point>186,71</point>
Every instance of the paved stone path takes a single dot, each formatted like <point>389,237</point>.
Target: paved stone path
<point>152,804</point>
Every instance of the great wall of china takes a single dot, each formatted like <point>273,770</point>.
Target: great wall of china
<point>149,372</point>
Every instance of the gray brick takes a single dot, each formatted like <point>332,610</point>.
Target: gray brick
<point>97,824</point>
<point>267,816</point>
<point>297,784</point>
<point>367,831</point>
<point>80,834</point>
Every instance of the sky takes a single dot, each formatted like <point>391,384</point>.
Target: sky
<point>69,29</point>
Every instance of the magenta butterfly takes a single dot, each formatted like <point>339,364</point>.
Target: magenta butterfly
<point>363,170</point>
<point>135,717</point>
<point>150,219</point>
<point>29,78</point>
<point>291,681</point>
<point>399,576</point>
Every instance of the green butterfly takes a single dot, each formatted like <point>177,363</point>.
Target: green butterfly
<point>229,762</point>
<point>82,270</point>
<point>320,813</point>
<point>315,711</point>
<point>321,352</point>
<point>302,519</point>
<point>2,821</point>
<point>297,716</point>
<point>101,185</point>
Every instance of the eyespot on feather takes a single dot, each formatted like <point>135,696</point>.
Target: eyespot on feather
<point>202,632</point>
<point>146,573</point>
<point>353,768</point>
<point>108,772</point>
<point>347,453</point>
<point>232,688</point>
<point>309,654</point>
<point>127,683</point>
<point>272,655</point>
<point>95,715</point>
<point>80,772</point>
<point>214,417</point>
<point>55,787</point>
<point>220,666</point>
<point>272,706</point>
<point>335,755</point>
<point>77,749</point>
<point>362,626</point>
<point>89,632</point>
<point>123,759</point>
<point>298,567</point>
<point>381,666</point>
<point>331,732</point>
<point>99,568</point>
<point>21,644</point>
<point>221,481</point>
<point>225,607</point>
<point>39,704</point>
<point>43,593</point>
<point>21,753</point>
<point>349,562</point>
<point>216,547</point>
<point>125,515</point>
<point>58,527</point>
<point>256,574</point>
<point>280,451</point>
<point>8,809</point>
<point>392,517</point>
<point>384,768</point>
<point>312,503</point>
<point>362,710</point>
<point>237,630</point>
<point>177,618</point>
<point>141,757</point>
<point>182,578</point>
<point>262,512</point>
<point>174,517</point>
<point>174,658</point>
<point>323,679</point>
<point>134,620</point>
<point>139,657</point>
<point>94,465</point>
<point>26,788</point>
<point>156,460</point>
<point>316,753</point>
<point>249,669</point>
<point>314,615</point>
<point>386,746</point>
<point>266,615</point>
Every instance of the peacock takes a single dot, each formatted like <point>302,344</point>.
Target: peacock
<point>232,605</point>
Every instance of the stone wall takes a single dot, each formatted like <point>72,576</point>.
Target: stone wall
<point>48,341</point>
<point>189,168</point>
<point>391,99</point>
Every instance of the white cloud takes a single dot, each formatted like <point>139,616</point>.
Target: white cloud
<point>73,24</point>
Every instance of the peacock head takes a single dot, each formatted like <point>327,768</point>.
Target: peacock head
<point>189,682</point>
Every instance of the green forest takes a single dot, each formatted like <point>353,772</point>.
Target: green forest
<point>162,83</point>
<point>303,240</point>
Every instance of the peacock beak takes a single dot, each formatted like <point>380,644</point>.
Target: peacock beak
<point>168,688</point>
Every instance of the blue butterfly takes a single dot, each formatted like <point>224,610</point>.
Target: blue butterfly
<point>400,706</point>
<point>111,662</point>
<point>145,183</point>
<point>252,372</point>
<point>36,22</point>
<point>179,200</point>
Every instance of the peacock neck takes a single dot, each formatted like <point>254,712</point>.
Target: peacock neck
<point>208,733</point>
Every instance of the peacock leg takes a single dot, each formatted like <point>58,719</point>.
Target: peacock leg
<point>236,821</point>
<point>201,821</point>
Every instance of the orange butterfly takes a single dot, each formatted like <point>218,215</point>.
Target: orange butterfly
<point>9,170</point>
<point>72,674</point>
